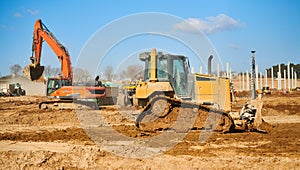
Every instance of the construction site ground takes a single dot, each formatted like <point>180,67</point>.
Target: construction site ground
<point>31,138</point>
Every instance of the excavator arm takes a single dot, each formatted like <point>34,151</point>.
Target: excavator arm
<point>34,71</point>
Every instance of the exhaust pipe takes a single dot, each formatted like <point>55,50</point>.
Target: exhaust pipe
<point>209,64</point>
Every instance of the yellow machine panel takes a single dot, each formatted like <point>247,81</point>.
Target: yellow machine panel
<point>146,89</point>
<point>213,90</point>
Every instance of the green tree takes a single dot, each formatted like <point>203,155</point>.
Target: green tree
<point>284,67</point>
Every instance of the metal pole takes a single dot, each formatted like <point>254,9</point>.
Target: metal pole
<point>256,76</point>
<point>227,69</point>
<point>253,95</point>
<point>243,81</point>
<point>296,81</point>
<point>272,77</point>
<point>240,78</point>
<point>292,78</point>
<point>288,76</point>
<point>247,80</point>
<point>278,84</point>
<point>284,78</point>
<point>193,71</point>
<point>261,81</point>
<point>266,78</point>
<point>279,77</point>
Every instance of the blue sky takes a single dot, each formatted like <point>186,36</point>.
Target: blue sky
<point>233,27</point>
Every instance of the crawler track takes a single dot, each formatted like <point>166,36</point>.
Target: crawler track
<point>67,104</point>
<point>161,113</point>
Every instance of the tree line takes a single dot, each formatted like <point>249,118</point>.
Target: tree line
<point>283,67</point>
<point>131,73</point>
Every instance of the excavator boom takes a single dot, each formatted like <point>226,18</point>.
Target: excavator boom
<point>41,33</point>
<point>59,88</point>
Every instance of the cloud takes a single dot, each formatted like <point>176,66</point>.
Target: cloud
<point>6,27</point>
<point>25,11</point>
<point>234,46</point>
<point>18,15</point>
<point>209,25</point>
<point>32,12</point>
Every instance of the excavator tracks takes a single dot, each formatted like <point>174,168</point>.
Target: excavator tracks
<point>164,113</point>
<point>68,104</point>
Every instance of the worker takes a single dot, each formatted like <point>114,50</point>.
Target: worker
<point>98,82</point>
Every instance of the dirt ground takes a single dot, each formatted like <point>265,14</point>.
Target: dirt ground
<point>31,138</point>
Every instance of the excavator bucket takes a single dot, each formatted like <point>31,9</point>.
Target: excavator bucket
<point>34,73</point>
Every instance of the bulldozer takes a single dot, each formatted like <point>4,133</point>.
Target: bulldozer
<point>128,93</point>
<point>168,85</point>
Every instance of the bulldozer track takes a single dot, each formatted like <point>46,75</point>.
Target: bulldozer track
<point>212,118</point>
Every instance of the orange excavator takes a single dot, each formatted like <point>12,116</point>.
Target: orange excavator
<point>59,87</point>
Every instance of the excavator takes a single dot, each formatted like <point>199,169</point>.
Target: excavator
<point>169,87</point>
<point>60,87</point>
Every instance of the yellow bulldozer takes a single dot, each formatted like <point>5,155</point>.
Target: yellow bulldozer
<point>128,93</point>
<point>169,85</point>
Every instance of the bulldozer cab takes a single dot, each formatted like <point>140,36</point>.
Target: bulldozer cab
<point>168,68</point>
<point>55,83</point>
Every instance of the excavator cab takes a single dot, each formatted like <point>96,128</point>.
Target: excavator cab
<point>55,83</point>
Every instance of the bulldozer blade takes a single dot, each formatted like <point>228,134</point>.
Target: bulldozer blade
<point>258,120</point>
<point>33,72</point>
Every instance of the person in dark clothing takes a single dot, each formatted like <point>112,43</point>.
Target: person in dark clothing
<point>98,82</point>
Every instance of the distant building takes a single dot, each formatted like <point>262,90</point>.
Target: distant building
<point>31,88</point>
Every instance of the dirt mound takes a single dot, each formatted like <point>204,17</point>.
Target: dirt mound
<point>286,104</point>
<point>242,94</point>
<point>266,127</point>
